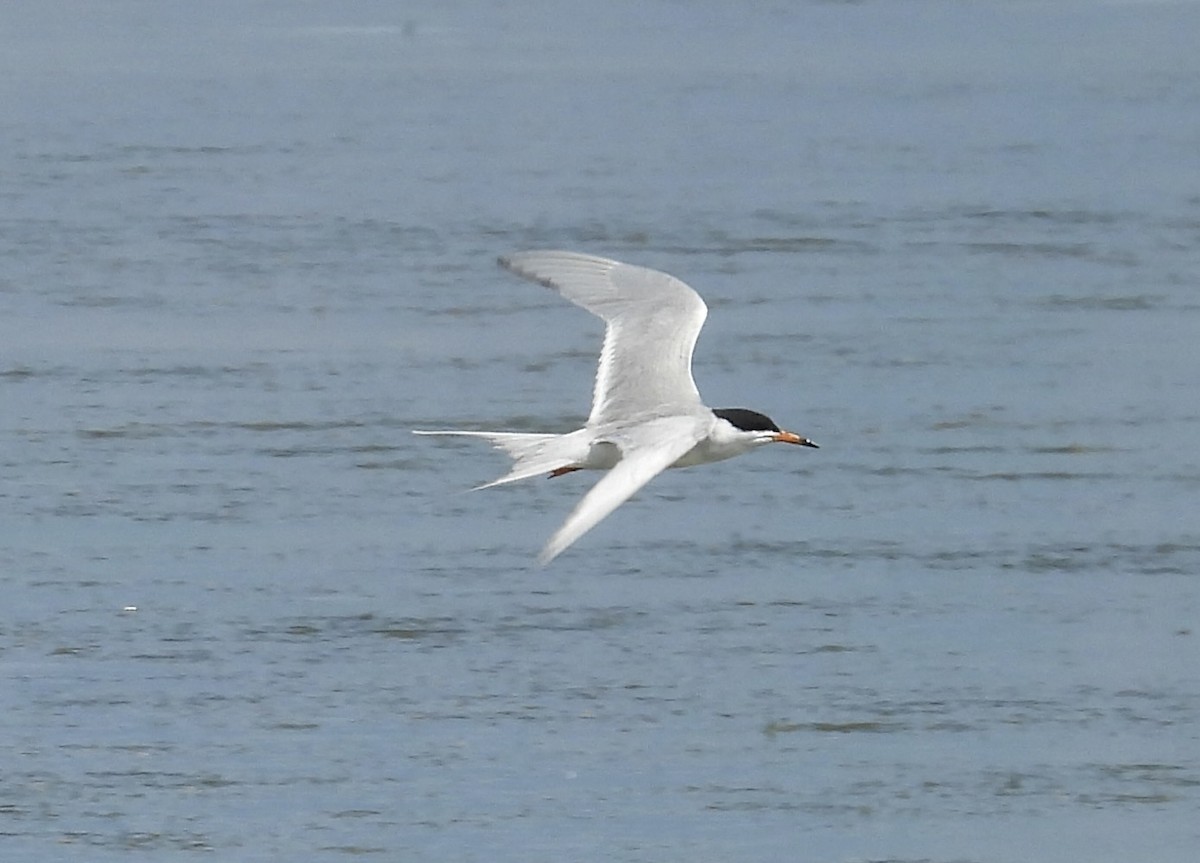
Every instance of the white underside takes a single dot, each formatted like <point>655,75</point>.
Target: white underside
<point>632,453</point>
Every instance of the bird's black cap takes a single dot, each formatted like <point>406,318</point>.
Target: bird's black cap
<point>747,420</point>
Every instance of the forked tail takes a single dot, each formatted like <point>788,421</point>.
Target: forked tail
<point>532,454</point>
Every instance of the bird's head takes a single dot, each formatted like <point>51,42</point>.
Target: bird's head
<point>759,428</point>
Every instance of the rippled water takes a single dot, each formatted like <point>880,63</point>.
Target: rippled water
<point>247,613</point>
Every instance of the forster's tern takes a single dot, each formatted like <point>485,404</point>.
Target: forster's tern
<point>646,411</point>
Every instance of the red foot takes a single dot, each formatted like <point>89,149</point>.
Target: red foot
<point>559,471</point>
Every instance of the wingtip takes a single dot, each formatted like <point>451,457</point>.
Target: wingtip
<point>512,261</point>
<point>556,545</point>
<point>547,555</point>
<point>512,264</point>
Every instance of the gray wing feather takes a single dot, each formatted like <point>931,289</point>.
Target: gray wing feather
<point>646,451</point>
<point>653,320</point>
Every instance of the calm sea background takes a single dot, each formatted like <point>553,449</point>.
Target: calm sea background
<point>247,616</point>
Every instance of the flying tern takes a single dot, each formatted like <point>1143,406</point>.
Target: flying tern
<point>647,415</point>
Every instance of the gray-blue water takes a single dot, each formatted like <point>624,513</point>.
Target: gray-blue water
<point>246,247</point>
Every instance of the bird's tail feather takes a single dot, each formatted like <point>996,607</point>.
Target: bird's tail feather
<point>532,454</point>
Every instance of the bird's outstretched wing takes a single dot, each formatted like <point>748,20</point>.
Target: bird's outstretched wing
<point>646,451</point>
<point>652,321</point>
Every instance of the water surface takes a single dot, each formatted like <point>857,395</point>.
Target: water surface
<point>246,613</point>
